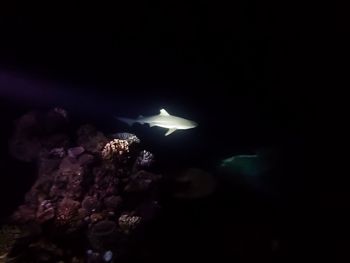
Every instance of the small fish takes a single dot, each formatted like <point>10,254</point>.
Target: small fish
<point>163,120</point>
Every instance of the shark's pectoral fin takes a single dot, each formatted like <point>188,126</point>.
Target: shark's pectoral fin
<point>170,131</point>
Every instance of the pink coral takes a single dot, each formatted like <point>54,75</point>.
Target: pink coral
<point>115,147</point>
<point>67,209</point>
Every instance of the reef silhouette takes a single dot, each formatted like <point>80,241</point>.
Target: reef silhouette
<point>92,195</point>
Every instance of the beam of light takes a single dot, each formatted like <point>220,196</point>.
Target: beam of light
<point>36,93</point>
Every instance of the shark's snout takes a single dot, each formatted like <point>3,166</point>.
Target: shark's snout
<point>194,124</point>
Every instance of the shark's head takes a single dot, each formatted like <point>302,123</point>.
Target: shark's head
<point>188,124</point>
<point>193,124</point>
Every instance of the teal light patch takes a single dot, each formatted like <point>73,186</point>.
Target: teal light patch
<point>248,165</point>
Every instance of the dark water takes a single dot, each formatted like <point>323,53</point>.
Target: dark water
<point>250,218</point>
<point>240,73</point>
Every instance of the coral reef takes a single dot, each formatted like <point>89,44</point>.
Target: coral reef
<point>115,148</point>
<point>75,151</point>
<point>93,188</point>
<point>129,137</point>
<point>145,159</point>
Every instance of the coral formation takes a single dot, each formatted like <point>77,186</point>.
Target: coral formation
<point>67,209</point>
<point>84,188</point>
<point>145,159</point>
<point>75,151</point>
<point>116,147</point>
<point>128,222</point>
<point>129,137</point>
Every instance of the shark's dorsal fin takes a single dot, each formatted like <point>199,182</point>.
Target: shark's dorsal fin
<point>163,112</point>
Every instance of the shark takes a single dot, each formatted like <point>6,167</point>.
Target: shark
<point>163,120</point>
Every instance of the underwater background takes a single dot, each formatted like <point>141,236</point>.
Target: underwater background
<point>238,71</point>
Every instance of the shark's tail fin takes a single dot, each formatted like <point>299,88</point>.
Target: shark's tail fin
<point>126,120</point>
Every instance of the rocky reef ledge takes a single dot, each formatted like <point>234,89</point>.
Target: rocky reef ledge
<point>92,195</point>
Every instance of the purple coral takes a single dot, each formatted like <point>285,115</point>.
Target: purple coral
<point>75,151</point>
<point>145,159</point>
